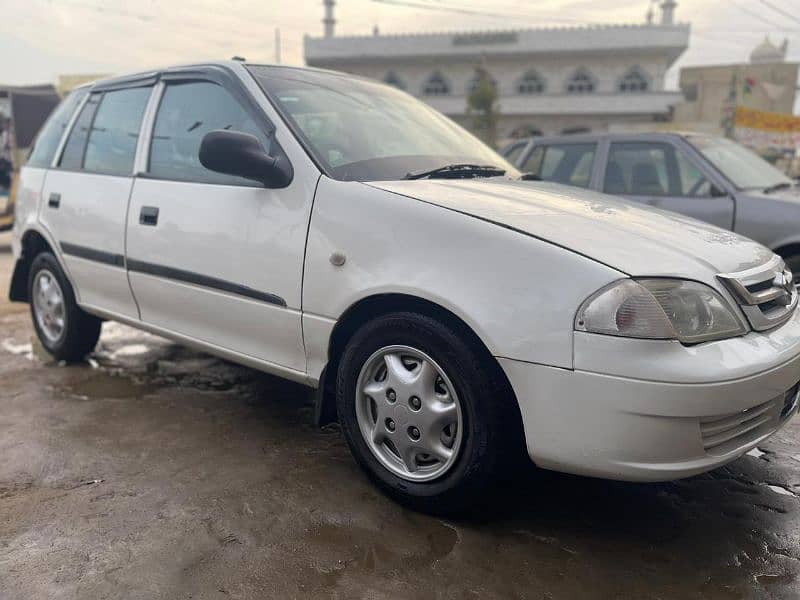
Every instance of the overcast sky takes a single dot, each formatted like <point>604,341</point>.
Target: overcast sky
<point>40,39</point>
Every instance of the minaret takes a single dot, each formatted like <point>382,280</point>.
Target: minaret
<point>668,12</point>
<point>329,21</point>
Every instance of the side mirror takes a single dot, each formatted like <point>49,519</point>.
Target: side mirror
<point>242,155</point>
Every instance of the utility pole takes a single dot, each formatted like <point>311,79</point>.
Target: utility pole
<point>277,45</point>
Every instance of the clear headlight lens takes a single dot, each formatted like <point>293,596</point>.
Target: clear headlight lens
<point>667,309</point>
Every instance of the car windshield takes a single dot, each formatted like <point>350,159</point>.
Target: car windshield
<point>363,131</point>
<point>745,169</point>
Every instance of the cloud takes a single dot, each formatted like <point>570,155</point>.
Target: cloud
<point>48,37</point>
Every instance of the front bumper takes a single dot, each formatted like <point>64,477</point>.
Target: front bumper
<point>666,412</point>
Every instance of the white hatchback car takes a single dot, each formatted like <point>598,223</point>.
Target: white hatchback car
<point>339,233</point>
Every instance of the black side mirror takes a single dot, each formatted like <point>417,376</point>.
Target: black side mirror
<point>242,155</point>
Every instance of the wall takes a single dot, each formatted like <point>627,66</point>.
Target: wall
<point>713,85</point>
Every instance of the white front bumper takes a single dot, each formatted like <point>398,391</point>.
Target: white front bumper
<point>654,411</point>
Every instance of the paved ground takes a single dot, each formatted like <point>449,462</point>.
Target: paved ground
<point>156,472</point>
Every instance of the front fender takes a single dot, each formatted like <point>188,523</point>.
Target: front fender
<point>519,294</point>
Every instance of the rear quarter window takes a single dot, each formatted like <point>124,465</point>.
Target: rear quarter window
<point>47,141</point>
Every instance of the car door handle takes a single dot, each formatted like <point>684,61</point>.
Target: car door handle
<point>54,201</point>
<point>148,216</point>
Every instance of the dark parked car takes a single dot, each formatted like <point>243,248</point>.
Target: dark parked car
<point>706,177</point>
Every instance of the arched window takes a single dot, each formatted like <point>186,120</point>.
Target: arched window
<point>436,85</point>
<point>581,82</point>
<point>531,83</point>
<point>475,79</point>
<point>394,80</point>
<point>634,80</point>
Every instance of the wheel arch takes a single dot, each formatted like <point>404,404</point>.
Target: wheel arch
<point>32,243</point>
<point>788,249</point>
<point>376,305</point>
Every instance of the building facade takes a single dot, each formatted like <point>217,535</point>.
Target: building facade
<point>549,81</point>
<point>711,93</point>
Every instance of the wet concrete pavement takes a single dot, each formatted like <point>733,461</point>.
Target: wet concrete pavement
<point>156,472</point>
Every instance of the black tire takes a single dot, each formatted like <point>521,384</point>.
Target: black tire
<point>81,330</point>
<point>793,262</point>
<point>485,405</point>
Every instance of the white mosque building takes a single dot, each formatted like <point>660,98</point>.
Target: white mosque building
<point>549,80</point>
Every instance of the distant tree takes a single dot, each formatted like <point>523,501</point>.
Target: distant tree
<point>482,106</point>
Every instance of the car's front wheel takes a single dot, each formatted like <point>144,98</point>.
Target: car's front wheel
<point>66,332</point>
<point>422,411</point>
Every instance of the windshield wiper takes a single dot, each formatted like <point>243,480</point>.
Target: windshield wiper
<point>458,171</point>
<point>777,187</point>
<point>530,177</point>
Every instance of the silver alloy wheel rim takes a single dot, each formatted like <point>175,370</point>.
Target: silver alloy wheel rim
<point>408,413</point>
<point>48,304</point>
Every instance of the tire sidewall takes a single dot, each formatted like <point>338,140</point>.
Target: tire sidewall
<point>793,262</point>
<point>455,358</point>
<point>46,261</point>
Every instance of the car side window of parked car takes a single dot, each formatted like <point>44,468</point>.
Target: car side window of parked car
<point>652,169</point>
<point>563,163</point>
<point>47,142</point>
<point>111,145</point>
<point>72,156</point>
<point>513,152</point>
<point>104,137</point>
<point>188,111</point>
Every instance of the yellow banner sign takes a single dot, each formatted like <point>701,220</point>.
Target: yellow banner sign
<point>750,118</point>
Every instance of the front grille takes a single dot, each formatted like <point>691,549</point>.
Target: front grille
<point>766,294</point>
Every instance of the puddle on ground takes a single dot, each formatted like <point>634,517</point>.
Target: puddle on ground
<point>421,545</point>
<point>101,385</point>
<point>130,363</point>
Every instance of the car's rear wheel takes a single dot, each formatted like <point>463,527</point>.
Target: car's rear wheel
<point>66,332</point>
<point>422,411</point>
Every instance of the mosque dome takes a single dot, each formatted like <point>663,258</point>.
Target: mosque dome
<point>767,52</point>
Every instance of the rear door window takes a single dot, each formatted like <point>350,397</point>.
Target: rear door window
<point>49,137</point>
<point>188,111</point>
<point>564,163</point>
<point>111,146</point>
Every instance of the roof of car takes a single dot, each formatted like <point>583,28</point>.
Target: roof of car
<point>595,137</point>
<point>121,80</point>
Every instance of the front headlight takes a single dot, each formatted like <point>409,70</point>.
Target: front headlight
<point>665,309</point>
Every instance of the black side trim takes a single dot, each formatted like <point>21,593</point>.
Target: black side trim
<point>107,258</point>
<point>139,266</point>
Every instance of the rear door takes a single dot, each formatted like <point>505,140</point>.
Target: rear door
<point>85,197</point>
<point>32,176</point>
<point>660,174</point>
<point>569,163</point>
<point>213,257</point>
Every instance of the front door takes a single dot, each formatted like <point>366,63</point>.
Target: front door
<point>85,197</point>
<point>212,257</point>
<point>659,174</point>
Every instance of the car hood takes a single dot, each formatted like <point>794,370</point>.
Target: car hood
<point>622,234</point>
<point>790,195</point>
